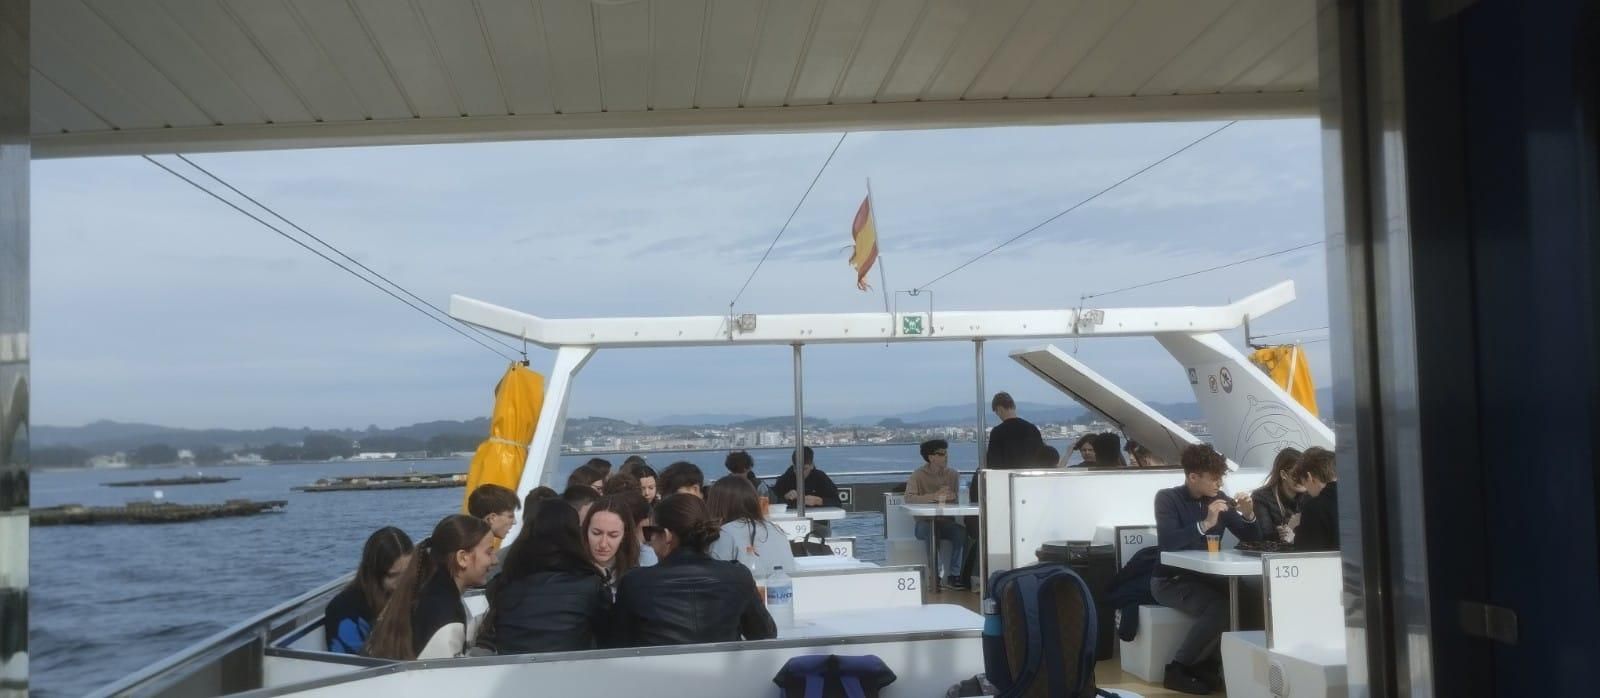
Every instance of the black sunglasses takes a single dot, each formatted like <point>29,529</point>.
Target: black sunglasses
<point>650,532</point>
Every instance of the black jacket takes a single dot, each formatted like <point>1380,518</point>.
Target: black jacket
<point>1178,520</point>
<point>1131,589</point>
<point>690,598</point>
<point>438,605</point>
<point>817,483</point>
<point>1319,522</point>
<point>550,611</point>
<point>1269,516</point>
<point>1014,443</point>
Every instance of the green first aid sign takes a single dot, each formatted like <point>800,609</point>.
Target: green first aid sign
<point>911,325</point>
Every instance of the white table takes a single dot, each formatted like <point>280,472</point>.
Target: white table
<point>931,510</point>
<point>930,618</point>
<point>1227,563</point>
<point>811,563</point>
<point>813,513</point>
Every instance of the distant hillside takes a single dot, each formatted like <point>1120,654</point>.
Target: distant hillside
<point>710,420</point>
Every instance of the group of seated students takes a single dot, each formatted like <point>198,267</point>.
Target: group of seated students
<point>605,563</point>
<point>1298,505</point>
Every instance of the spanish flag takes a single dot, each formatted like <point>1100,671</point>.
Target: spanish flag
<point>865,234</point>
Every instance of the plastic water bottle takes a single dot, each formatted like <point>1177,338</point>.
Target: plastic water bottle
<point>760,576</point>
<point>780,597</point>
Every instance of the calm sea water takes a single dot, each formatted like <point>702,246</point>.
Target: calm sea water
<point>110,600</point>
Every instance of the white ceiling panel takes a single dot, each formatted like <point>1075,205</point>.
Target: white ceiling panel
<point>1229,47</point>
<point>278,31</point>
<point>678,27</point>
<point>170,50</point>
<point>1127,59</point>
<point>516,37</point>
<point>75,73</point>
<point>65,113</point>
<point>884,39</point>
<point>785,28</point>
<point>457,33</point>
<point>1164,34</point>
<point>980,39</point>
<point>938,27</point>
<point>133,76</point>
<point>211,26</point>
<point>338,30</point>
<point>730,44</point>
<point>624,33</point>
<point>832,47</point>
<point>115,60</point>
<point>1035,32</point>
<point>1291,53</point>
<point>1088,26</point>
<point>569,34</point>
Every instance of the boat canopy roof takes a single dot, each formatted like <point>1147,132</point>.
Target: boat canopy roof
<point>158,76</point>
<point>858,328</point>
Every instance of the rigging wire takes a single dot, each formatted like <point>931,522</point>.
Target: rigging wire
<point>786,223</point>
<point>1207,270</point>
<point>1080,204</point>
<point>347,257</point>
<point>330,260</point>
<point>1280,334</point>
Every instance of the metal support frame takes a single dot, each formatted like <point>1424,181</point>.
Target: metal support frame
<point>544,454</point>
<point>799,432</point>
<point>981,435</point>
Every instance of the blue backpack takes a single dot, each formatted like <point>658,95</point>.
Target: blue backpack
<point>833,676</point>
<point>1039,633</point>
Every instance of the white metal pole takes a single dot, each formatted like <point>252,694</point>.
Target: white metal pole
<point>799,434</point>
<point>982,423</point>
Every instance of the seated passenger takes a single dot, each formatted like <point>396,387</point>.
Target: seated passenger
<point>682,477</point>
<point>820,490</point>
<point>1084,447</point>
<point>1278,501</point>
<point>497,506</point>
<point>1319,516</point>
<point>548,597</point>
<point>348,619</point>
<point>937,482</point>
<point>748,538</point>
<point>612,538</point>
<point>1185,515</point>
<point>581,497</point>
<point>1049,457</point>
<point>530,506</point>
<point>644,474</point>
<point>1107,450</point>
<point>425,618</point>
<point>641,521</point>
<point>740,463</point>
<point>689,598</point>
<point>619,483</point>
<point>592,475</point>
<point>1140,456</point>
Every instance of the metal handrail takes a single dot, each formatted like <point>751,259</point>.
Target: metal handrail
<point>868,473</point>
<point>256,628</point>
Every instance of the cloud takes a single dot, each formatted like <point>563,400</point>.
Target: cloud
<point>153,302</point>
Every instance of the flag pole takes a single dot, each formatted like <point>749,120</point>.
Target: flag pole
<point>883,278</point>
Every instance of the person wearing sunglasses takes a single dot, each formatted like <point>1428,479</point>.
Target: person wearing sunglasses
<point>937,482</point>
<point>689,597</point>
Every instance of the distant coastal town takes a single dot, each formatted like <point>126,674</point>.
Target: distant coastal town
<point>157,446</point>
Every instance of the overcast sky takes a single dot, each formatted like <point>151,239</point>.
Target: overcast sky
<point>155,303</point>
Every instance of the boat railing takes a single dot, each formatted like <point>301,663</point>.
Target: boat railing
<point>231,660</point>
